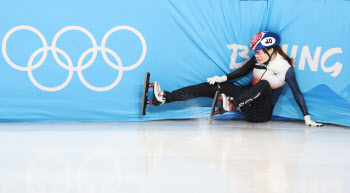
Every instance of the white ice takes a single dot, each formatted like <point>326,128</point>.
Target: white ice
<point>174,156</point>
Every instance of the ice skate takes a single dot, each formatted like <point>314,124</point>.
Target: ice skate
<point>158,94</point>
<point>145,100</point>
<point>224,105</point>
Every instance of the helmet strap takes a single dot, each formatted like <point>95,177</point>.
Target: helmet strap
<point>266,52</point>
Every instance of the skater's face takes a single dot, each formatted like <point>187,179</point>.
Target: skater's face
<point>261,56</point>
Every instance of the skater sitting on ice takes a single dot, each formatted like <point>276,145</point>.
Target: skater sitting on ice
<point>271,67</point>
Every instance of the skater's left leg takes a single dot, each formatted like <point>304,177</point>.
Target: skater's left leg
<point>204,90</point>
<point>191,92</point>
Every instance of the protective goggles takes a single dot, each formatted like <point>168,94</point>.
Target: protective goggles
<point>259,52</point>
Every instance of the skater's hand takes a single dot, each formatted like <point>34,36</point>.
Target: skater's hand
<point>309,122</point>
<point>217,79</point>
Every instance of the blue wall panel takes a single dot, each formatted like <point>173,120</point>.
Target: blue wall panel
<point>85,60</point>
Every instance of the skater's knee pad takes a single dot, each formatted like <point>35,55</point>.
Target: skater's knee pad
<point>264,84</point>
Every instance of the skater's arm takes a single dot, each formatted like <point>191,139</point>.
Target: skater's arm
<point>292,82</point>
<point>244,70</point>
<point>290,79</point>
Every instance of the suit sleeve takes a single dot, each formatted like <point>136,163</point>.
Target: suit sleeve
<point>292,82</point>
<point>244,70</point>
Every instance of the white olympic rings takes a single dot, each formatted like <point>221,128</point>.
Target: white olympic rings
<point>80,66</point>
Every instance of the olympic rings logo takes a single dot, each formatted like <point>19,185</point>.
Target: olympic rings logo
<point>80,66</point>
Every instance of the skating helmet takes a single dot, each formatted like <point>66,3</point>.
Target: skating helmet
<point>264,39</point>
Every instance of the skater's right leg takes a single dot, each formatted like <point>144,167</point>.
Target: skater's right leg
<point>229,92</point>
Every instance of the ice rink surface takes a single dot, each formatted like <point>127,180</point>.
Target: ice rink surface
<point>174,156</point>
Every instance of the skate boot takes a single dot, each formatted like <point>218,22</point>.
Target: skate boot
<point>158,94</point>
<point>224,105</point>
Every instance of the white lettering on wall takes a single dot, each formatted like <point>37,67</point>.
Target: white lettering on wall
<point>306,55</point>
<point>314,61</point>
<point>305,58</point>
<point>243,54</point>
<point>336,68</point>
